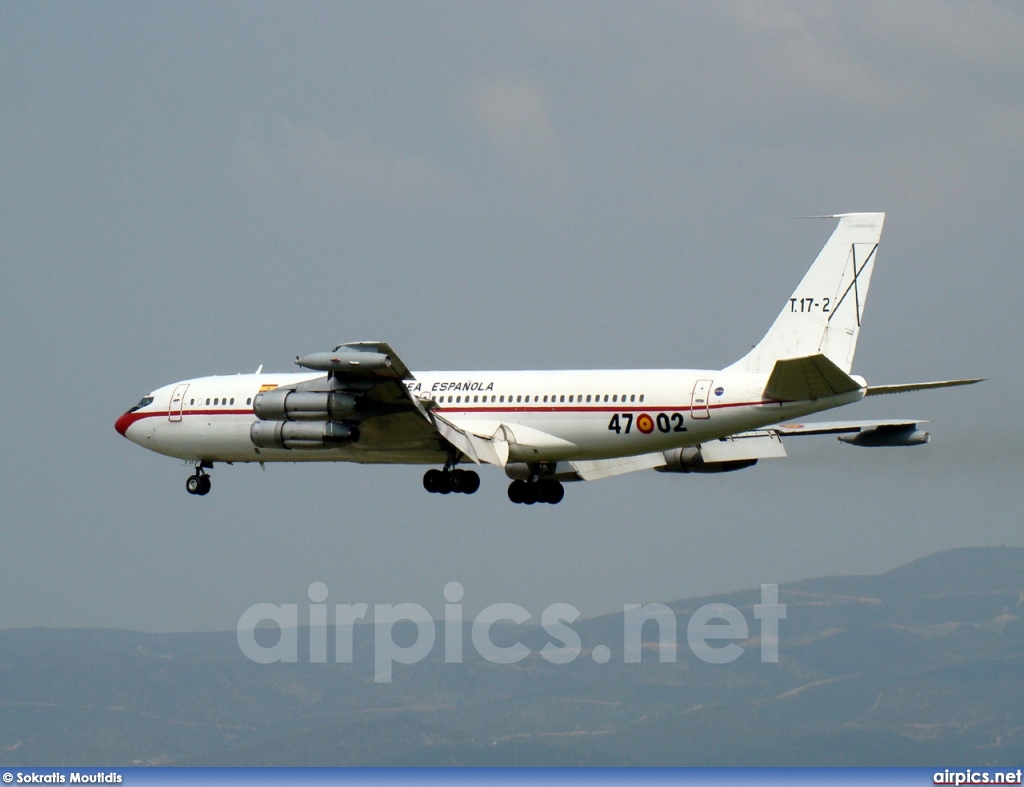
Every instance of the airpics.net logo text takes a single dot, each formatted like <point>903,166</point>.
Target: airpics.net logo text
<point>713,632</point>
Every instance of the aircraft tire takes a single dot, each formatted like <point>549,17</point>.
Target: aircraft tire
<point>554,493</point>
<point>193,484</point>
<point>517,492</point>
<point>471,482</point>
<point>204,485</point>
<point>430,480</point>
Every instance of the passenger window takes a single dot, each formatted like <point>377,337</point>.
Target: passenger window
<point>588,397</point>
<point>207,401</point>
<point>615,398</point>
<point>641,397</point>
<point>191,401</point>
<point>249,400</point>
<point>562,398</point>
<point>232,400</point>
<point>632,397</point>
<point>606,397</point>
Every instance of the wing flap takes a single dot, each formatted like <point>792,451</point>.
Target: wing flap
<point>593,470</point>
<point>762,444</point>
<point>475,442</point>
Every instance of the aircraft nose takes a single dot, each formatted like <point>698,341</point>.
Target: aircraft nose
<point>122,424</point>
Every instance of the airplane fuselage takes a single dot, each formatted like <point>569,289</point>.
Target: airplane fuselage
<point>592,414</point>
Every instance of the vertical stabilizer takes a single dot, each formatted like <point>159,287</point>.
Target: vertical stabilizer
<point>823,315</point>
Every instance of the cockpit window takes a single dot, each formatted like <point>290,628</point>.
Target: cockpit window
<point>146,401</point>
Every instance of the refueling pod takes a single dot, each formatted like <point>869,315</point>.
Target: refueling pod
<point>302,434</point>
<point>345,359</point>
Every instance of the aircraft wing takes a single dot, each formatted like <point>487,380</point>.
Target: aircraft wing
<point>884,432</point>
<point>374,374</point>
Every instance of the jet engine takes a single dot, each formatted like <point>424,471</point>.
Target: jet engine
<point>302,434</point>
<point>690,460</point>
<point>290,405</point>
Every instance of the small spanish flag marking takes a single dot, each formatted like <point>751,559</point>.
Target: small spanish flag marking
<point>645,423</point>
<point>267,387</point>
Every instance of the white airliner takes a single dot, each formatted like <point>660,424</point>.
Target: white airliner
<point>362,404</point>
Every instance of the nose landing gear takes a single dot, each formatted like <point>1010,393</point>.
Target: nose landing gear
<point>198,483</point>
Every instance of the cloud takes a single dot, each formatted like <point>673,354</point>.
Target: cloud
<point>514,117</point>
<point>299,164</point>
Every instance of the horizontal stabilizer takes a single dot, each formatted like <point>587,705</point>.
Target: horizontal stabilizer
<point>880,390</point>
<point>811,377</point>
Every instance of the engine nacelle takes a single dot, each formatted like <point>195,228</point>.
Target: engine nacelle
<point>690,460</point>
<point>302,434</point>
<point>880,436</point>
<point>289,405</point>
<point>345,359</point>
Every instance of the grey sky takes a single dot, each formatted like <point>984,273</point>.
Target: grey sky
<point>191,189</point>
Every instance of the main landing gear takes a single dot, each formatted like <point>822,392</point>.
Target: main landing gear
<point>541,490</point>
<point>449,480</point>
<point>198,483</point>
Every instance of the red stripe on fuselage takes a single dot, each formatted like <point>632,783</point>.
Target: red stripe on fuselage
<point>125,421</point>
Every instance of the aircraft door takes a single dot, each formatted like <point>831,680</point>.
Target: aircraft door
<point>699,401</point>
<point>177,403</point>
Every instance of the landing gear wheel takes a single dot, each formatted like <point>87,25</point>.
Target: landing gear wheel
<point>517,491</point>
<point>198,484</point>
<point>431,480</point>
<point>551,492</point>
<point>445,482</point>
<point>546,490</point>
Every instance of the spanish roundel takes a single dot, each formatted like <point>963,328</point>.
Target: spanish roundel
<point>645,423</point>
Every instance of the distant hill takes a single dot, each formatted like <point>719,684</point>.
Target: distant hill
<point>923,665</point>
